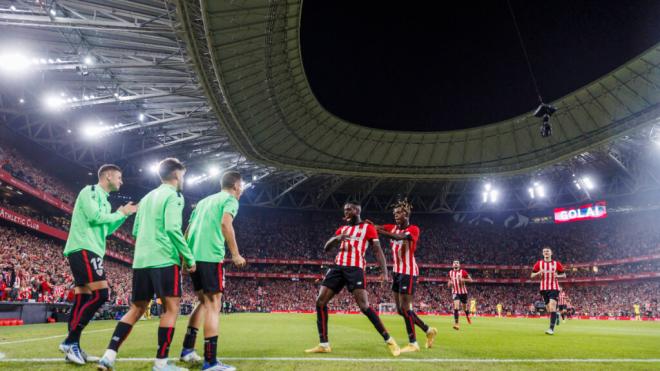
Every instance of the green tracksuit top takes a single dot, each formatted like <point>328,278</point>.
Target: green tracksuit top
<point>205,236</point>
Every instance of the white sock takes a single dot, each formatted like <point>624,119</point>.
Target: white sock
<point>161,362</point>
<point>325,345</point>
<point>415,343</point>
<point>110,355</point>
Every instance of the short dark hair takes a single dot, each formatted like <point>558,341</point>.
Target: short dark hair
<point>229,178</point>
<point>107,167</point>
<point>168,166</point>
<point>353,202</point>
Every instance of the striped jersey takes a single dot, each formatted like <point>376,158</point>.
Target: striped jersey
<point>562,298</point>
<point>458,285</point>
<point>549,276</point>
<point>352,249</point>
<point>404,261</point>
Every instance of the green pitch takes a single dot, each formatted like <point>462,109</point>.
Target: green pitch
<point>255,341</point>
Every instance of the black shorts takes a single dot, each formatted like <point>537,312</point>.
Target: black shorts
<point>340,276</point>
<point>461,297</point>
<point>86,267</point>
<point>404,283</point>
<point>163,282</point>
<point>209,277</point>
<point>562,307</point>
<point>550,294</point>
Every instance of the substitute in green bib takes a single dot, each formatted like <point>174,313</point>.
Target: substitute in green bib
<point>159,248</point>
<point>92,222</point>
<point>211,226</point>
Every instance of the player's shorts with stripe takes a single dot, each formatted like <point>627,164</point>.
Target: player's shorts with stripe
<point>209,277</point>
<point>163,282</point>
<point>461,297</point>
<point>340,276</point>
<point>86,267</point>
<point>404,283</point>
<point>550,294</point>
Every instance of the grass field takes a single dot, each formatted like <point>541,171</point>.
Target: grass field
<point>277,341</point>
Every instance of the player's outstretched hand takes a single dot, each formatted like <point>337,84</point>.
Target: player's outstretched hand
<point>128,209</point>
<point>238,261</point>
<point>192,268</point>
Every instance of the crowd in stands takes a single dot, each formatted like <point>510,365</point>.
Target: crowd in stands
<point>33,269</point>
<point>608,300</point>
<point>301,235</point>
<point>21,168</point>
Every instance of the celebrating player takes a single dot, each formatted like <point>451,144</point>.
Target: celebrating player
<point>91,223</point>
<point>211,224</point>
<point>156,263</point>
<point>353,240</point>
<point>549,270</point>
<point>457,279</point>
<point>403,240</point>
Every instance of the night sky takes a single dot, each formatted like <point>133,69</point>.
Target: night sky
<point>435,65</point>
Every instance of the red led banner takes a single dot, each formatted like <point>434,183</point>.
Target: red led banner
<point>596,210</point>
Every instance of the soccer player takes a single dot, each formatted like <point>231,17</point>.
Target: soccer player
<point>91,223</point>
<point>562,304</point>
<point>210,226</point>
<point>638,317</point>
<point>473,307</point>
<point>549,270</point>
<point>403,240</point>
<point>499,310</point>
<point>457,279</point>
<point>156,263</point>
<point>353,240</point>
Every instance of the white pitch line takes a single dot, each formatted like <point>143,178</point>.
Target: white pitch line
<point>53,337</point>
<point>382,360</point>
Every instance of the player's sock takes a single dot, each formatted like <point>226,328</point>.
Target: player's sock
<point>121,333</point>
<point>165,335</point>
<point>78,301</point>
<point>456,316</point>
<point>410,325</point>
<point>86,313</point>
<point>210,349</point>
<point>553,319</point>
<point>375,320</point>
<point>419,322</point>
<point>467,313</point>
<point>190,338</point>
<point>322,323</point>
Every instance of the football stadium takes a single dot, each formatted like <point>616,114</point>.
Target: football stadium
<point>329,185</point>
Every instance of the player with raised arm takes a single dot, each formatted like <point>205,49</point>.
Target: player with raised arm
<point>549,270</point>
<point>457,279</point>
<point>159,247</point>
<point>91,223</point>
<point>403,240</point>
<point>211,225</point>
<point>353,239</point>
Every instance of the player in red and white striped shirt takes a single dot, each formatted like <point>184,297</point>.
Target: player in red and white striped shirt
<point>549,270</point>
<point>353,239</point>
<point>403,240</point>
<point>562,304</point>
<point>457,279</point>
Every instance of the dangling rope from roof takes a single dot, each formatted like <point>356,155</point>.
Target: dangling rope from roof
<point>522,46</point>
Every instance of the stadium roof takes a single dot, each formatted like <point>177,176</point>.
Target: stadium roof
<point>248,58</point>
<point>218,82</point>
